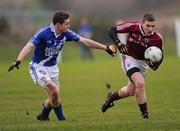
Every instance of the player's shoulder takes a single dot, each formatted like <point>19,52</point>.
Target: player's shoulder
<point>132,25</point>
<point>134,22</point>
<point>69,32</point>
<point>71,35</point>
<point>129,23</point>
<point>44,30</point>
<point>158,34</point>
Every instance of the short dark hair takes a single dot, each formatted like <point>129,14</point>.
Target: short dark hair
<point>59,17</point>
<point>148,17</point>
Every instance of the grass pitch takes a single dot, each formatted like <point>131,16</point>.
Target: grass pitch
<point>83,90</point>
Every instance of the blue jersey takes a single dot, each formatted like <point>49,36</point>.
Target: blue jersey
<point>48,44</point>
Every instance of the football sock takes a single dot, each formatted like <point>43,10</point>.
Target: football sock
<point>45,111</point>
<point>114,97</point>
<point>143,108</point>
<point>59,112</point>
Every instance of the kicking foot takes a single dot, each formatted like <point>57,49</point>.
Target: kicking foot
<point>108,103</point>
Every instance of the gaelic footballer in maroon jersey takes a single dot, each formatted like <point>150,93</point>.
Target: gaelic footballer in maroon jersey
<point>138,41</point>
<point>141,35</point>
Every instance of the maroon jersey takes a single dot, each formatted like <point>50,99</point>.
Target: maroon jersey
<point>137,41</point>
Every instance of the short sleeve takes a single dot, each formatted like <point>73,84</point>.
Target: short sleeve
<point>126,27</point>
<point>72,36</point>
<point>36,38</point>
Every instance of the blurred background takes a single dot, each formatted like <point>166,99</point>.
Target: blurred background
<point>84,83</point>
<point>20,19</point>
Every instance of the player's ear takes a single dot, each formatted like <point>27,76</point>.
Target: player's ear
<point>58,24</point>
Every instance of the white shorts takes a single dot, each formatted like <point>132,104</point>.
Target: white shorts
<point>129,62</point>
<point>40,74</point>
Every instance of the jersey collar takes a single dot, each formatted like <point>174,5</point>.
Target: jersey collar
<point>142,31</point>
<point>53,30</point>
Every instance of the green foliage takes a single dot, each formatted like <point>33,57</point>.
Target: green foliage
<point>83,90</point>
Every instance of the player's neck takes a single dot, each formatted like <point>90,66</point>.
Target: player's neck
<point>57,31</point>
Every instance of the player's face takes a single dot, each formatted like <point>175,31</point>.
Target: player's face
<point>63,27</point>
<point>148,27</point>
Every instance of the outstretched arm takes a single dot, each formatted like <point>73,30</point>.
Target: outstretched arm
<point>93,44</point>
<point>22,55</point>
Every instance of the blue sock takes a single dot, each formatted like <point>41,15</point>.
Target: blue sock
<point>45,111</point>
<point>59,112</point>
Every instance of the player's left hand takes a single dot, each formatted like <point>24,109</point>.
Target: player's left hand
<point>111,49</point>
<point>14,64</point>
<point>122,48</point>
<point>153,65</point>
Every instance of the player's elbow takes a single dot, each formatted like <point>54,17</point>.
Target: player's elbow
<point>112,31</point>
<point>113,34</point>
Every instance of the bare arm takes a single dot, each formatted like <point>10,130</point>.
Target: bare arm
<point>25,51</point>
<point>92,43</point>
<point>22,55</point>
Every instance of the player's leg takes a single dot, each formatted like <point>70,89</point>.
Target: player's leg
<point>127,91</point>
<point>139,93</point>
<point>54,74</point>
<point>49,102</point>
<point>124,92</point>
<point>136,71</point>
<point>39,75</point>
<point>53,91</point>
<point>127,63</point>
<point>136,86</point>
<point>46,109</point>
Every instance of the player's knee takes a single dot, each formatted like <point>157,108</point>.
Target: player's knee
<point>53,92</point>
<point>131,92</point>
<point>49,85</point>
<point>139,84</point>
<point>139,91</point>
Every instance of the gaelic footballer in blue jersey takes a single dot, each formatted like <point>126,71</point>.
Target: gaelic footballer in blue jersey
<point>47,43</point>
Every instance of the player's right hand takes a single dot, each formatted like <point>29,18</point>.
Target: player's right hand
<point>122,48</point>
<point>111,49</point>
<point>153,65</point>
<point>14,65</point>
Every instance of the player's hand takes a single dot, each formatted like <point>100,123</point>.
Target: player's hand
<point>14,65</point>
<point>122,48</point>
<point>111,49</point>
<point>153,65</point>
